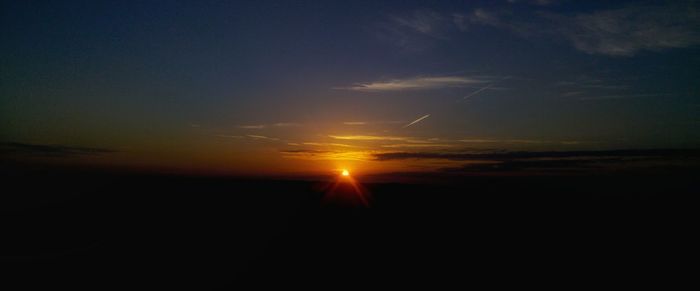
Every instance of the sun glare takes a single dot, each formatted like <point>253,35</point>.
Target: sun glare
<point>345,173</point>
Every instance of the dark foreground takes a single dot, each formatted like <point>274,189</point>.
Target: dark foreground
<point>97,230</point>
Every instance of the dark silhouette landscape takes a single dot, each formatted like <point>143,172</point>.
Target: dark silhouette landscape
<point>100,228</point>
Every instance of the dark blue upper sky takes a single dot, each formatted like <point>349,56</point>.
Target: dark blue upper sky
<point>201,82</point>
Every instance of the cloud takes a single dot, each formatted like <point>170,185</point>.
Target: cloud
<point>367,137</point>
<point>618,96</point>
<point>324,155</point>
<point>548,162</point>
<point>286,124</point>
<point>630,30</point>
<point>425,22</point>
<point>621,32</point>
<point>362,123</point>
<point>484,17</point>
<point>327,144</point>
<point>418,145</point>
<point>304,152</point>
<point>229,136</point>
<point>355,123</point>
<point>262,126</point>
<point>418,83</point>
<point>507,155</point>
<point>585,88</point>
<point>255,126</point>
<point>558,165</point>
<point>518,141</point>
<point>42,150</point>
<point>416,31</point>
<point>476,140</point>
<point>261,137</point>
<point>503,19</point>
<point>478,16</point>
<point>554,161</point>
<point>379,138</point>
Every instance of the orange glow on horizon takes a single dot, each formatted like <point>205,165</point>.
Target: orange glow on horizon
<point>345,189</point>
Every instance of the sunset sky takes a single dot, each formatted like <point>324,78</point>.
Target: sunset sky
<point>312,87</point>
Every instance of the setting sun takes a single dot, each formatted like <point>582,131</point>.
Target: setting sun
<point>345,173</point>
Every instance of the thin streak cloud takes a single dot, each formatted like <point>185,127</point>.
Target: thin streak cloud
<point>379,138</point>
<point>229,136</point>
<point>322,144</point>
<point>255,126</point>
<point>368,137</point>
<point>263,126</point>
<point>419,83</point>
<point>418,145</point>
<point>262,137</point>
<point>417,120</point>
<point>477,91</point>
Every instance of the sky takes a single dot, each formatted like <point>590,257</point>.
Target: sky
<point>312,87</point>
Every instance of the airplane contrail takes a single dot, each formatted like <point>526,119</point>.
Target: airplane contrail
<point>484,88</point>
<point>477,91</point>
<point>417,120</point>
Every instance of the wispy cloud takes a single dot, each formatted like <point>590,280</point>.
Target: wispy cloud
<point>630,30</point>
<point>383,138</point>
<point>484,162</point>
<point>229,136</point>
<point>355,123</point>
<point>418,83</point>
<point>262,126</point>
<point>503,20</point>
<point>586,88</point>
<point>418,145</point>
<point>325,155</point>
<point>519,141</point>
<point>261,137</point>
<point>479,16</point>
<point>618,96</point>
<point>327,144</point>
<point>367,137</point>
<point>362,123</point>
<point>44,150</point>
<point>286,124</point>
<point>254,126</point>
<point>416,31</point>
<point>618,32</point>
<point>522,141</point>
<point>421,21</point>
<point>506,155</point>
<point>483,16</point>
<point>588,83</point>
